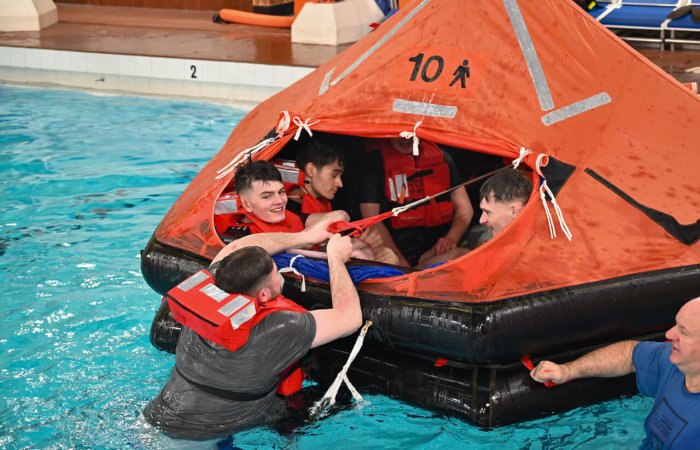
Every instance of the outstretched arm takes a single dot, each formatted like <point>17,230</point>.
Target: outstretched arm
<point>611,361</point>
<point>346,315</point>
<point>279,242</point>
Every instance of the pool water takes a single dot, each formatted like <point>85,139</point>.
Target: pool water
<point>85,181</point>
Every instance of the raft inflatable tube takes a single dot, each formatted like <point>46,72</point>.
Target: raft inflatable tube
<point>251,18</point>
<point>484,396</point>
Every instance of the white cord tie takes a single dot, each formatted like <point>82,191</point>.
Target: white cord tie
<point>285,121</point>
<point>329,398</point>
<point>305,125</point>
<point>414,136</point>
<point>544,188</point>
<point>399,209</point>
<point>290,268</point>
<point>523,153</point>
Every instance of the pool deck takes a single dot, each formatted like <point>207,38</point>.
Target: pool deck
<point>183,53</point>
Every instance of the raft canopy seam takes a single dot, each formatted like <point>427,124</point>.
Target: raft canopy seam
<point>377,45</point>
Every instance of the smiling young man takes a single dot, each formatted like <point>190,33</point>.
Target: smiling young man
<point>503,196</point>
<point>264,200</point>
<point>667,371</point>
<point>264,206</point>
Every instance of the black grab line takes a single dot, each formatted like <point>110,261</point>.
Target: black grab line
<point>687,234</point>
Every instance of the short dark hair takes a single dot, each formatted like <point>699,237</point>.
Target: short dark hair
<point>244,271</point>
<point>507,186</point>
<point>255,171</point>
<point>319,151</point>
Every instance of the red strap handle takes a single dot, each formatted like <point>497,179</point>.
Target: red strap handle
<point>528,363</point>
<point>357,226</point>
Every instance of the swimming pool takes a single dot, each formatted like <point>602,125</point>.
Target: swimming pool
<point>86,179</point>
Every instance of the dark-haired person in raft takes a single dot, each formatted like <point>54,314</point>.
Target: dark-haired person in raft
<point>668,371</point>
<point>264,206</point>
<point>215,390</point>
<point>323,165</point>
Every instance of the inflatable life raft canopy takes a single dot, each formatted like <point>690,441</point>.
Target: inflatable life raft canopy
<point>495,77</point>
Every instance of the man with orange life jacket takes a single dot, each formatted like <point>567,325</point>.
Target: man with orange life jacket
<point>228,380</point>
<point>263,201</point>
<point>263,207</point>
<point>426,231</point>
<point>322,165</point>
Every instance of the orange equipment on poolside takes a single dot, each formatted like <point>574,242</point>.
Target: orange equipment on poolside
<point>265,20</point>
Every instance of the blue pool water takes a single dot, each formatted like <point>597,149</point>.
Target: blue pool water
<point>85,181</point>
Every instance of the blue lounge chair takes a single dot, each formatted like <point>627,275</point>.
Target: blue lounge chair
<point>639,15</point>
<point>684,24</point>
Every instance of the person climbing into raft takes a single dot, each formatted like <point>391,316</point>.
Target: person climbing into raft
<point>668,371</point>
<point>399,178</point>
<point>219,388</point>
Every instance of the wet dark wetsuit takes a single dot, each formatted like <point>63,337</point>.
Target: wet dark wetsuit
<point>183,410</point>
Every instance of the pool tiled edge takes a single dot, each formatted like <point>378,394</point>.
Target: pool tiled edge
<point>204,79</point>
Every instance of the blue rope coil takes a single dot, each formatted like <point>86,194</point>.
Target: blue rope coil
<point>318,269</point>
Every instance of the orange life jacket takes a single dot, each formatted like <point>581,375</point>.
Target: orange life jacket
<point>311,204</point>
<point>229,213</point>
<point>227,319</point>
<point>409,178</point>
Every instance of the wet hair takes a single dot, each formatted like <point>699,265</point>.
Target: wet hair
<point>245,271</point>
<point>319,151</point>
<point>255,171</point>
<point>507,186</point>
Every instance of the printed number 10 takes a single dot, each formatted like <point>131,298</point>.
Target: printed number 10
<point>418,61</point>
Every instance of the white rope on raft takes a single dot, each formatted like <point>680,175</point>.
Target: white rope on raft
<point>414,136</point>
<point>544,188</point>
<point>329,398</point>
<point>244,155</point>
<point>291,268</point>
<point>285,121</point>
<point>523,154</point>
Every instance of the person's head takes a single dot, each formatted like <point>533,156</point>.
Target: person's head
<point>249,271</point>
<point>323,167</point>
<point>402,145</point>
<point>685,338</point>
<point>503,196</point>
<point>259,185</point>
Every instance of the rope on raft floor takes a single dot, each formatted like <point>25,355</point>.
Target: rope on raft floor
<point>318,269</point>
